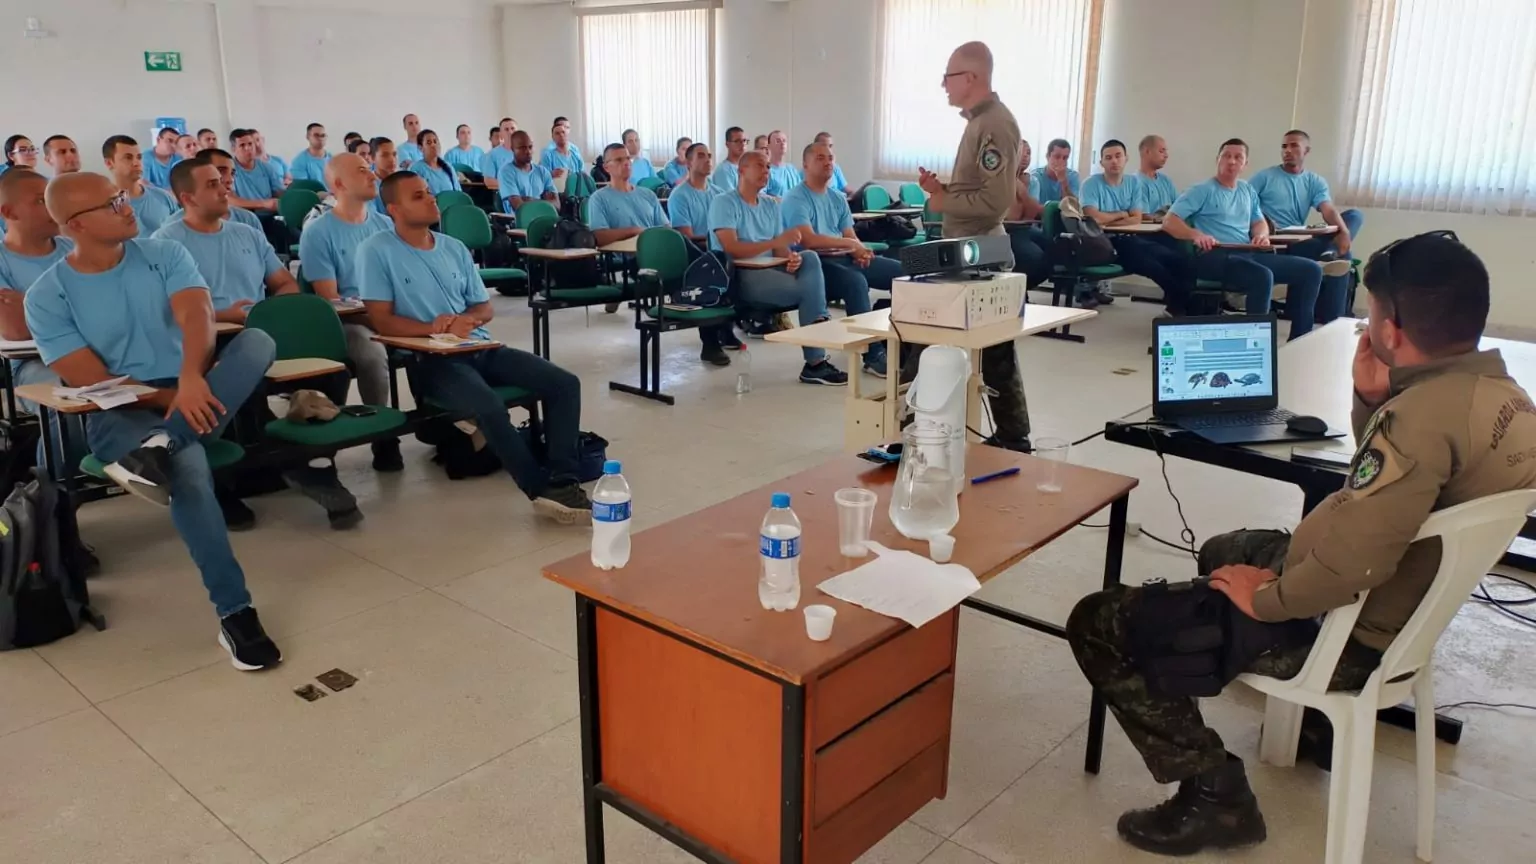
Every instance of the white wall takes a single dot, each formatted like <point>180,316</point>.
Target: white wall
<point>541,69</point>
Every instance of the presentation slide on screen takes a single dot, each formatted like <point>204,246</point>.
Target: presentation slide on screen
<point>1215,361</point>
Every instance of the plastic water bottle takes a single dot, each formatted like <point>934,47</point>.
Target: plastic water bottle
<point>744,373</point>
<point>779,547</point>
<point>610,519</point>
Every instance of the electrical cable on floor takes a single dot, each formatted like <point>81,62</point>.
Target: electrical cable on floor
<point>1502,604</point>
<point>1475,704</point>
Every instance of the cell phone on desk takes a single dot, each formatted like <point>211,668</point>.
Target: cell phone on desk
<point>890,454</point>
<point>1325,458</point>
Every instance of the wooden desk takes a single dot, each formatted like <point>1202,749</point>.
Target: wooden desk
<point>1246,247</point>
<point>559,254</point>
<point>425,345</point>
<point>225,328</point>
<point>520,233</point>
<point>345,309</point>
<point>302,367</point>
<point>43,395</point>
<point>868,419</point>
<point>1308,231</point>
<point>1138,228</point>
<point>760,263</point>
<point>627,246</point>
<point>719,725</point>
<point>867,217</point>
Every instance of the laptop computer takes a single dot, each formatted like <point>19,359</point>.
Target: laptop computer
<point>1217,377</point>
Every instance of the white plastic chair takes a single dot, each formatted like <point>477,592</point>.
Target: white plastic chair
<point>1473,536</point>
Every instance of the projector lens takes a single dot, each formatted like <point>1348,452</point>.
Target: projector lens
<point>971,253</point>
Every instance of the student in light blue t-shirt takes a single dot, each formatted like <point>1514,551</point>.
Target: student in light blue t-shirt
<point>310,163</point>
<point>1051,174</point>
<point>408,151</point>
<point>1112,199</point>
<point>676,170</point>
<point>1225,210</point>
<point>688,205</point>
<point>152,206</point>
<point>621,209</point>
<point>839,182</point>
<point>226,168</point>
<point>641,165</point>
<point>465,154</point>
<point>520,180</point>
<point>256,186</point>
<point>727,174</point>
<point>159,161</point>
<point>440,175</point>
<point>1155,191</point>
<point>783,173</point>
<point>560,154</point>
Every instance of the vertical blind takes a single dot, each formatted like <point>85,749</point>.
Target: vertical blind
<point>1044,53</point>
<point>1445,107</point>
<point>651,71</point>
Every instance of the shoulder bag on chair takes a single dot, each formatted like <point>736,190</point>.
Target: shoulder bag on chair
<point>1084,239</point>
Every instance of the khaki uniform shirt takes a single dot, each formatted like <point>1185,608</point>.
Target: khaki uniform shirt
<point>1451,431</point>
<point>981,186</point>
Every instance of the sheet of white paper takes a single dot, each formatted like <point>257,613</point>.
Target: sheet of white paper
<point>903,585</point>
<point>106,400</point>
<point>85,392</point>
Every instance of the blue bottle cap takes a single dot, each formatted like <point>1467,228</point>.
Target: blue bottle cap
<point>611,466</point>
<point>781,500</point>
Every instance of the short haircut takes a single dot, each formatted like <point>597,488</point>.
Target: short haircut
<point>1233,142</point>
<point>358,144</point>
<point>460,127</point>
<point>375,141</point>
<point>505,120</point>
<point>407,117</point>
<point>236,134</point>
<point>754,154</point>
<point>205,131</point>
<point>1148,142</point>
<point>181,176</point>
<point>1057,144</point>
<point>692,148</point>
<point>555,125</point>
<point>1113,142</point>
<point>521,135</point>
<point>628,132</point>
<point>806,153</point>
<point>160,133</point>
<point>312,127</point>
<point>1297,132</point>
<point>422,136</point>
<point>352,136</point>
<point>109,146</point>
<point>821,136</point>
<point>14,178</point>
<point>734,130</point>
<point>389,190</point>
<point>681,141</point>
<point>51,139</point>
<point>209,154</point>
<point>1437,290</point>
<point>612,147</point>
<point>559,120</point>
<point>495,130</point>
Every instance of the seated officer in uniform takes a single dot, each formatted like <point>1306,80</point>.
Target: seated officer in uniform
<point>152,206</point>
<point>417,282</point>
<point>119,306</point>
<point>1287,193</point>
<point>621,209</point>
<point>1110,198</point>
<point>560,157</point>
<point>520,180</point>
<point>826,227</point>
<point>1439,423</point>
<point>1155,191</point>
<point>500,153</point>
<point>385,162</point>
<point>1057,181</point>
<point>746,223</point>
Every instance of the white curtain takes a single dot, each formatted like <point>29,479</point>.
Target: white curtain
<point>1044,52</point>
<point>1444,110</point>
<point>647,70</point>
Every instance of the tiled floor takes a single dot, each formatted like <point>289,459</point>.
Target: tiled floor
<point>141,744</point>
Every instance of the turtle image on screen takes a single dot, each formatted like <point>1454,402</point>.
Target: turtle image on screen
<point>1196,380</point>
<point>1220,379</point>
<point>1250,379</point>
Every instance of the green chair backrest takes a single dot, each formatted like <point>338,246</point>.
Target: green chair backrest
<point>539,231</point>
<point>294,205</point>
<point>467,224</point>
<point>652,183</point>
<point>302,325</point>
<point>1050,220</point>
<point>912,195</point>
<point>532,210</point>
<point>580,185</point>
<point>453,198</point>
<point>314,186</point>
<point>663,250</point>
<point>876,198</point>
<point>586,211</point>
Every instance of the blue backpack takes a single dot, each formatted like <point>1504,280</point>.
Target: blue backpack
<point>705,283</point>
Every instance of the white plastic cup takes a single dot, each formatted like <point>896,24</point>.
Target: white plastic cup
<point>855,518</point>
<point>940,548</point>
<point>1054,451</point>
<point>818,622</point>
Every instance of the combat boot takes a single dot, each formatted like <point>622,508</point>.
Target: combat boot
<point>1213,810</point>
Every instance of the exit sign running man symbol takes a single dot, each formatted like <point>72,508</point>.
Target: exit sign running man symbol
<point>162,61</point>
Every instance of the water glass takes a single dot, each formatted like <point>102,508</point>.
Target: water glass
<point>855,517</point>
<point>1054,451</point>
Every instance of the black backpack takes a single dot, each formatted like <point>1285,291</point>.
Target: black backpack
<point>599,173</point>
<point>705,283</point>
<point>1081,238</point>
<point>579,272</point>
<point>886,229</point>
<point>43,596</point>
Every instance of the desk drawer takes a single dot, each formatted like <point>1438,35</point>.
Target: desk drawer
<point>852,693</point>
<point>858,761</point>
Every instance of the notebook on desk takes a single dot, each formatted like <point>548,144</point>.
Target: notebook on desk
<point>1217,377</point>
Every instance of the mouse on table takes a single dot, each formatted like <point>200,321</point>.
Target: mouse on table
<point>1306,425</point>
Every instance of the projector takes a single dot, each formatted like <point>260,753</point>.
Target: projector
<point>986,252</point>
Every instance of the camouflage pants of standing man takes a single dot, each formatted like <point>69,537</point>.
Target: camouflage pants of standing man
<point>1168,731</point>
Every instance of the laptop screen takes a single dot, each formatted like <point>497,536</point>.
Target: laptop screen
<point>1215,360</point>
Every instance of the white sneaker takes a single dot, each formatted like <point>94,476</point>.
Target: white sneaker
<point>1337,267</point>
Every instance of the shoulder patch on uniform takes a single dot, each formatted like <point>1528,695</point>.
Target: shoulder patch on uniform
<point>990,157</point>
<point>1366,469</point>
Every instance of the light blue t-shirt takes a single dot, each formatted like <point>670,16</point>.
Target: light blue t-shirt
<point>839,182</point>
<point>123,315</point>
<point>675,173</point>
<point>472,158</point>
<point>1226,214</point>
<point>238,215</point>
<point>826,212</point>
<point>1287,198</point>
<point>1099,194</point>
<point>441,179</point>
<point>156,173</point>
<point>277,166</point>
<point>1050,190</point>
<point>689,207</point>
<point>422,283</point>
<point>753,224</point>
<point>782,178</point>
<point>307,167</point>
<point>407,153</point>
<point>726,176</point>
<point>554,160</point>
<point>18,272</point>
<point>496,160</point>
<point>533,183</point>
<point>640,168</point>
<point>235,261</point>
<point>256,183</point>
<point>637,208</point>
<point>152,209</point>
<point>328,249</point>
<point>1153,195</point>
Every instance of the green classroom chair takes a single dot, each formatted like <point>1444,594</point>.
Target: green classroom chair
<point>877,198</point>
<point>580,185</point>
<point>542,299</point>
<point>652,183</point>
<point>534,210</point>
<point>314,186</point>
<point>221,454</point>
<point>293,206</point>
<point>453,198</point>
<point>912,195</point>
<point>469,225</point>
<point>1067,276</point>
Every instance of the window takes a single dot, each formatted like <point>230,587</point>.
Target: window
<point>1045,54</point>
<point>1444,112</point>
<point>650,69</point>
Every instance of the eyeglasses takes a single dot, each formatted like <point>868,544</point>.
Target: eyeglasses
<point>24,151</point>
<point>1381,263</point>
<point>117,205</point>
<point>949,75</point>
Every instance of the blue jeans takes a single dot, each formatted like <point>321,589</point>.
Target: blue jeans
<point>1170,269</point>
<point>1255,273</point>
<point>462,384</point>
<point>194,510</point>
<point>25,372</point>
<point>849,282</point>
<point>1029,253</point>
<point>806,289</point>
<point>1335,290</point>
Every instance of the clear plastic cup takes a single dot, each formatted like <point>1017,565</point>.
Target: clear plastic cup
<point>940,548</point>
<point>1054,451</point>
<point>818,622</point>
<point>855,518</point>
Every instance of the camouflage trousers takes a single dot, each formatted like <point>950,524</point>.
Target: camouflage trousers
<point>1168,731</point>
<point>1000,372</point>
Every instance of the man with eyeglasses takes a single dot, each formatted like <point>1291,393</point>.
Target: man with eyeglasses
<point>152,206</point>
<point>1439,423</point>
<point>727,174</point>
<point>120,306</point>
<point>61,154</point>
<point>310,163</point>
<point>157,168</point>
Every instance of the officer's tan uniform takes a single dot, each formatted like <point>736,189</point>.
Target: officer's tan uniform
<point>1453,430</point>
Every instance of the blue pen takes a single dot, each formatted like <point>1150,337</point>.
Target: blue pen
<point>995,475</point>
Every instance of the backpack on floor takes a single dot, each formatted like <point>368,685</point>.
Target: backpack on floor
<point>705,283</point>
<point>1081,238</point>
<point>578,273</point>
<point>43,597</point>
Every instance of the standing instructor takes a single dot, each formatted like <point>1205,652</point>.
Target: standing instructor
<point>974,201</point>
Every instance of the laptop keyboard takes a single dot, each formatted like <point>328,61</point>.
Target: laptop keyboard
<point>1273,416</point>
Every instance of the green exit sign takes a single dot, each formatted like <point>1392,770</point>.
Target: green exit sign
<point>162,61</point>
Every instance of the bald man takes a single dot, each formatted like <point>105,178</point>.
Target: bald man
<point>121,306</point>
<point>974,201</point>
<point>328,256</point>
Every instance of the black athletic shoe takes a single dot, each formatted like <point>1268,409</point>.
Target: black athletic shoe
<point>1104,297</point>
<point>1215,810</point>
<point>568,505</point>
<point>714,355</point>
<point>322,486</point>
<point>248,645</point>
<point>758,329</point>
<point>386,456</point>
<point>823,373</point>
<point>145,472</point>
<point>237,516</point>
<point>341,520</point>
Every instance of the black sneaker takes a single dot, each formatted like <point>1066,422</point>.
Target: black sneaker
<point>145,472</point>
<point>1087,301</point>
<point>386,456</point>
<point>610,308</point>
<point>714,355</point>
<point>322,486</point>
<point>237,516</point>
<point>758,329</point>
<point>823,373</point>
<point>1103,297</point>
<point>568,505</point>
<point>248,645</point>
<point>341,520</point>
